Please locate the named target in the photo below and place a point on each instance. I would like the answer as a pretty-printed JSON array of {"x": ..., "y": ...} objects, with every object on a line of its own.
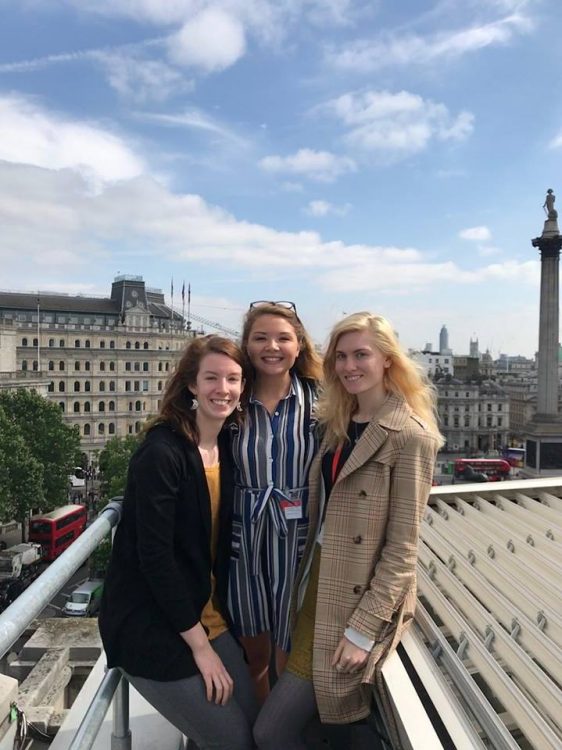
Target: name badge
[{"x": 292, "y": 508}]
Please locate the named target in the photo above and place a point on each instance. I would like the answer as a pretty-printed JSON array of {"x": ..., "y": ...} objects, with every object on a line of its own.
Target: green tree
[
  {"x": 113, "y": 464},
  {"x": 21, "y": 475},
  {"x": 48, "y": 450}
]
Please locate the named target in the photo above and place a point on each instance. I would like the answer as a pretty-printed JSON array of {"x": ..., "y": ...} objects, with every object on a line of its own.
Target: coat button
[
  {"x": 357, "y": 589},
  {"x": 357, "y": 539},
  {"x": 362, "y": 493}
]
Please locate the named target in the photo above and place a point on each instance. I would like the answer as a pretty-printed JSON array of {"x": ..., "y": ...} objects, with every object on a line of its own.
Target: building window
[
  {"x": 455, "y": 422},
  {"x": 102, "y": 366},
  {"x": 87, "y": 343},
  {"x": 467, "y": 421},
  {"x": 61, "y": 386},
  {"x": 101, "y": 428},
  {"x": 102, "y": 344},
  {"x": 137, "y": 405},
  {"x": 87, "y": 406},
  {"x": 500, "y": 421},
  {"x": 112, "y": 366},
  {"x": 111, "y": 428},
  {"x": 111, "y": 406},
  {"x": 145, "y": 386},
  {"x": 130, "y": 406},
  {"x": 77, "y": 343},
  {"x": 35, "y": 342},
  {"x": 137, "y": 426},
  {"x": 61, "y": 343},
  {"x": 51, "y": 387},
  {"x": 51, "y": 365},
  {"x": 102, "y": 386},
  {"x": 499, "y": 407},
  {"x": 137, "y": 366},
  {"x": 167, "y": 366},
  {"x": 112, "y": 344},
  {"x": 136, "y": 385},
  {"x": 112, "y": 385},
  {"x": 145, "y": 345},
  {"x": 130, "y": 429},
  {"x": 145, "y": 366},
  {"x": 24, "y": 365},
  {"x": 51, "y": 342},
  {"x": 489, "y": 421},
  {"x": 76, "y": 407},
  {"x": 61, "y": 404},
  {"x": 77, "y": 365},
  {"x": 61, "y": 365},
  {"x": 86, "y": 429},
  {"x": 35, "y": 365},
  {"x": 127, "y": 385},
  {"x": 24, "y": 342},
  {"x": 87, "y": 366},
  {"x": 101, "y": 406},
  {"x": 128, "y": 366},
  {"x": 159, "y": 366},
  {"x": 159, "y": 385},
  {"x": 87, "y": 386},
  {"x": 137, "y": 344},
  {"x": 489, "y": 407},
  {"x": 128, "y": 345},
  {"x": 76, "y": 386}
]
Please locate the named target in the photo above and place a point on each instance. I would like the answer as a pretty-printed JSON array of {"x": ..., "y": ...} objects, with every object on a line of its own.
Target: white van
[{"x": 84, "y": 600}]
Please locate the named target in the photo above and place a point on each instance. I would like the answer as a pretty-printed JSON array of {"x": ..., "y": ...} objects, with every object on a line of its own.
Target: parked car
[{"x": 84, "y": 601}]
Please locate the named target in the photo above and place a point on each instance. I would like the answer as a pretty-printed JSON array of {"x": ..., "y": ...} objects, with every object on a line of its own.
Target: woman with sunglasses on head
[
  {"x": 356, "y": 587},
  {"x": 164, "y": 618},
  {"x": 273, "y": 449}
]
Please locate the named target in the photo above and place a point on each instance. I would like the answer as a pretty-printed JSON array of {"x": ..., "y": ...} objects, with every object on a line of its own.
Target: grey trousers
[{"x": 185, "y": 705}]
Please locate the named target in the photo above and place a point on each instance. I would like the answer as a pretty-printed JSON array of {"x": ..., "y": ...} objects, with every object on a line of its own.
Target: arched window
[
  {"x": 76, "y": 386},
  {"x": 167, "y": 366},
  {"x": 35, "y": 342},
  {"x": 145, "y": 345},
  {"x": 87, "y": 366},
  {"x": 51, "y": 387},
  {"x": 87, "y": 385},
  {"x": 51, "y": 365},
  {"x": 61, "y": 386},
  {"x": 77, "y": 365},
  {"x": 102, "y": 366},
  {"x": 101, "y": 429},
  {"x": 128, "y": 345},
  {"x": 111, "y": 406},
  {"x": 87, "y": 406},
  {"x": 101, "y": 406},
  {"x": 61, "y": 342},
  {"x": 87, "y": 343},
  {"x": 112, "y": 344},
  {"x": 159, "y": 385},
  {"x": 61, "y": 404},
  {"x": 24, "y": 364},
  {"x": 137, "y": 426},
  {"x": 130, "y": 406},
  {"x": 112, "y": 366},
  {"x": 112, "y": 385},
  {"x": 111, "y": 428},
  {"x": 137, "y": 344},
  {"x": 102, "y": 344},
  {"x": 35, "y": 365},
  {"x": 102, "y": 385},
  {"x": 137, "y": 405},
  {"x": 51, "y": 342},
  {"x": 24, "y": 342},
  {"x": 77, "y": 343},
  {"x": 61, "y": 365},
  {"x": 86, "y": 429},
  {"x": 76, "y": 407}
]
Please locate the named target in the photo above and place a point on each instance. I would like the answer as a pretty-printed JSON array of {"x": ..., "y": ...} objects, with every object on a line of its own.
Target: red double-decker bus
[
  {"x": 57, "y": 530},
  {"x": 482, "y": 469}
]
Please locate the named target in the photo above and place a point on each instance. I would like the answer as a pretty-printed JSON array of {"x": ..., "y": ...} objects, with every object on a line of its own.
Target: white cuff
[{"x": 358, "y": 639}]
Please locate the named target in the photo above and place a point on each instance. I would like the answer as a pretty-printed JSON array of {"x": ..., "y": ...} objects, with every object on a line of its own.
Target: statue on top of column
[{"x": 548, "y": 205}]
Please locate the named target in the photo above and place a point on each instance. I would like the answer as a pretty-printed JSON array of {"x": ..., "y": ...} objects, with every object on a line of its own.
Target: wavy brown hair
[
  {"x": 336, "y": 406},
  {"x": 175, "y": 408},
  {"x": 308, "y": 364}
]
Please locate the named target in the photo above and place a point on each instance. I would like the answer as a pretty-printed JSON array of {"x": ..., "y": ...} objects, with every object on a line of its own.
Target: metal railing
[{"x": 31, "y": 602}]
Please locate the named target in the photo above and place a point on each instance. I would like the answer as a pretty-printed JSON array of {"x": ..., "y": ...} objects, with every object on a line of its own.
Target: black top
[
  {"x": 354, "y": 432},
  {"x": 159, "y": 577}
]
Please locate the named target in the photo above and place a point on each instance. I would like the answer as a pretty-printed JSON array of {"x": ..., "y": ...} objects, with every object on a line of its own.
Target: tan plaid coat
[{"x": 368, "y": 565}]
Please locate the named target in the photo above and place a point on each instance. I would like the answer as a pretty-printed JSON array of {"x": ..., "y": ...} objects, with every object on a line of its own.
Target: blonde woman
[{"x": 356, "y": 586}]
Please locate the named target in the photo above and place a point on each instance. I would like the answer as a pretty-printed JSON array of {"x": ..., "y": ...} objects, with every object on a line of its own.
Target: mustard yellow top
[{"x": 211, "y": 616}]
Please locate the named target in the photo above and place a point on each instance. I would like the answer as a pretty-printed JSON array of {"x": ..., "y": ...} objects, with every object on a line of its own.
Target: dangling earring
[
  {"x": 194, "y": 404},
  {"x": 239, "y": 407}
]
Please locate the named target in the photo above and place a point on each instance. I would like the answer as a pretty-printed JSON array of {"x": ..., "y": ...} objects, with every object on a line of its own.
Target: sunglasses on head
[{"x": 279, "y": 303}]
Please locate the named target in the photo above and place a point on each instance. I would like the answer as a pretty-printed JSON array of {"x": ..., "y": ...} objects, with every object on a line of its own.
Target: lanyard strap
[{"x": 335, "y": 462}]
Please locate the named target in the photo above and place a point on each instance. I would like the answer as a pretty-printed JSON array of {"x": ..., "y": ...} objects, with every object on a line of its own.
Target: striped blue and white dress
[{"x": 272, "y": 455}]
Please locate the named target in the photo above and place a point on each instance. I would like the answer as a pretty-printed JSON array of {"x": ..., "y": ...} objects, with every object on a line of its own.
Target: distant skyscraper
[
  {"x": 444, "y": 340},
  {"x": 474, "y": 348}
]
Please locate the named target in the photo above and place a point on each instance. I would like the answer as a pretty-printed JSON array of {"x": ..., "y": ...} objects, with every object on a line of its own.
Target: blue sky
[{"x": 390, "y": 155}]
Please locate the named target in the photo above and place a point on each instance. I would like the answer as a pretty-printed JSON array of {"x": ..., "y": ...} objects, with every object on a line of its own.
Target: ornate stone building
[{"x": 105, "y": 360}]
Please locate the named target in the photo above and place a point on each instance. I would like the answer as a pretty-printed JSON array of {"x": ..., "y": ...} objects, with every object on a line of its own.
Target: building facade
[
  {"x": 105, "y": 361},
  {"x": 434, "y": 364},
  {"x": 474, "y": 418}
]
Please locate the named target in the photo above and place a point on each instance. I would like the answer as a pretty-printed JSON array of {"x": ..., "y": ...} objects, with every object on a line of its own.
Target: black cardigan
[{"x": 159, "y": 576}]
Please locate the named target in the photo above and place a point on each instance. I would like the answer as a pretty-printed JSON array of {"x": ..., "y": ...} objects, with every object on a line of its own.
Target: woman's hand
[
  {"x": 349, "y": 658},
  {"x": 217, "y": 680}
]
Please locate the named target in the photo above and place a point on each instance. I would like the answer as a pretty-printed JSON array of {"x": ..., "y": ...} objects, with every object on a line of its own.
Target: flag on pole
[
  {"x": 172, "y": 288},
  {"x": 183, "y": 292},
  {"x": 188, "y": 293}
]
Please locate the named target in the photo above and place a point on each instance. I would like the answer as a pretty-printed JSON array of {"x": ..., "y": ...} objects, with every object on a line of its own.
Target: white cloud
[
  {"x": 319, "y": 208},
  {"x": 31, "y": 135},
  {"x": 476, "y": 234},
  {"x": 316, "y": 165},
  {"x": 212, "y": 41},
  {"x": 141, "y": 80},
  {"x": 194, "y": 119},
  {"x": 396, "y": 124},
  {"x": 401, "y": 49},
  {"x": 556, "y": 142}
]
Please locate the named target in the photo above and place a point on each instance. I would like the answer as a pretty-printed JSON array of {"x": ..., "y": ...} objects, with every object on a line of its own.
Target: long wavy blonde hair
[{"x": 404, "y": 377}]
